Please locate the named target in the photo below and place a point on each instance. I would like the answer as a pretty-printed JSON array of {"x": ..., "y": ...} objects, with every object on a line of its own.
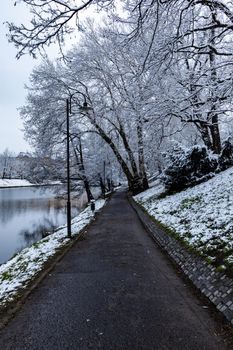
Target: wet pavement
[{"x": 113, "y": 290}]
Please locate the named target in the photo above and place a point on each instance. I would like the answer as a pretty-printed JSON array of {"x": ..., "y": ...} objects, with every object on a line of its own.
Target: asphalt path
[{"x": 113, "y": 290}]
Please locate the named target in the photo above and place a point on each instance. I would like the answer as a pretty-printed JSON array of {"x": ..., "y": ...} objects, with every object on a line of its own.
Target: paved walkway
[{"x": 113, "y": 290}]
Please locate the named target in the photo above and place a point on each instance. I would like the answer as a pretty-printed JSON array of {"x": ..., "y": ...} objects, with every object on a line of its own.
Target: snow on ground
[
  {"x": 25, "y": 183},
  {"x": 202, "y": 216},
  {"x": 14, "y": 183},
  {"x": 19, "y": 271}
]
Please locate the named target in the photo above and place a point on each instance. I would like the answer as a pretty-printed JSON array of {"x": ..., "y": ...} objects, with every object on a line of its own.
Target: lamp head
[{"x": 85, "y": 107}]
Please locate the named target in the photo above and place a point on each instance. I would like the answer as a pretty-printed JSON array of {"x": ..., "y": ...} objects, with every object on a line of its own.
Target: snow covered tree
[
  {"x": 50, "y": 21},
  {"x": 104, "y": 74},
  {"x": 154, "y": 70},
  {"x": 7, "y": 164},
  {"x": 195, "y": 73}
]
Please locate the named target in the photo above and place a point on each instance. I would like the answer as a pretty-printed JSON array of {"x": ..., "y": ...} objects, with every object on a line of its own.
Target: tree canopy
[{"x": 152, "y": 72}]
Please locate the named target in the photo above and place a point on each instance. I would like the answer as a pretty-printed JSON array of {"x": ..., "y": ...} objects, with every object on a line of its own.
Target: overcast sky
[{"x": 13, "y": 75}]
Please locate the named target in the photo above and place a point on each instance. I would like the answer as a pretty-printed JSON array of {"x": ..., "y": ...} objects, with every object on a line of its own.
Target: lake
[{"x": 27, "y": 213}]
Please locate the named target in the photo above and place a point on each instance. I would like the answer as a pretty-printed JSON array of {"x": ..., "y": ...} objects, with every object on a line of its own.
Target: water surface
[{"x": 27, "y": 213}]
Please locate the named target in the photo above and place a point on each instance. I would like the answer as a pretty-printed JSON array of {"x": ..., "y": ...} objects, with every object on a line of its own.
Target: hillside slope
[{"x": 201, "y": 216}]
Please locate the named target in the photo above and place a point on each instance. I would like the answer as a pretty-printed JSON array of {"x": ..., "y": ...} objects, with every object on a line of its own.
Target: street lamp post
[
  {"x": 104, "y": 178},
  {"x": 84, "y": 109},
  {"x": 68, "y": 169}
]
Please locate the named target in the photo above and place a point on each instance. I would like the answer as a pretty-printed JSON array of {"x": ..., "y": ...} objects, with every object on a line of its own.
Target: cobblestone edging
[{"x": 215, "y": 285}]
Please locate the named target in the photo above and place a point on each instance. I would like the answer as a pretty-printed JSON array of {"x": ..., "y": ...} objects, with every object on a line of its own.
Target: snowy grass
[
  {"x": 18, "y": 272},
  {"x": 202, "y": 216}
]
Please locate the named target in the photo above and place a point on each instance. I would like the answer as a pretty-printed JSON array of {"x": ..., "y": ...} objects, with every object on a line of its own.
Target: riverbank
[
  {"x": 14, "y": 183},
  {"x": 17, "y": 274}
]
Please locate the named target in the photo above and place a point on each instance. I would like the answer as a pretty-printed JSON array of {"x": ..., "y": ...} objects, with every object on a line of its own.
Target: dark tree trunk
[
  {"x": 205, "y": 134},
  {"x": 109, "y": 183},
  {"x": 4, "y": 173},
  {"x": 102, "y": 185},
  {"x": 137, "y": 185},
  {"x": 128, "y": 150},
  {"x": 141, "y": 159},
  {"x": 136, "y": 182},
  {"x": 88, "y": 190},
  {"x": 215, "y": 134},
  {"x": 214, "y": 127},
  {"x": 80, "y": 162},
  {"x": 82, "y": 168}
]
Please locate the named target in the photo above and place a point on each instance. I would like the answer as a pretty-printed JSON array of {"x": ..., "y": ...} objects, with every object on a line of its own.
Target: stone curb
[{"x": 216, "y": 286}]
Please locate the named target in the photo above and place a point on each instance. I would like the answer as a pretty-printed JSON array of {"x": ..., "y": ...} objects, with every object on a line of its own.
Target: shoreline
[{"x": 29, "y": 185}]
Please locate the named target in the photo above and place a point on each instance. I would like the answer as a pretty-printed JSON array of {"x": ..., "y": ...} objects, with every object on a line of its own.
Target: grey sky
[{"x": 13, "y": 75}]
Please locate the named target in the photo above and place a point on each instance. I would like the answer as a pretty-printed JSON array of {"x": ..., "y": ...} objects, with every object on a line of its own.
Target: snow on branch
[{"x": 51, "y": 20}]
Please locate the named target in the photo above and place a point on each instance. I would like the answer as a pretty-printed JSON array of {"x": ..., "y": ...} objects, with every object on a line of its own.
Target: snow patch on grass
[
  {"x": 202, "y": 216},
  {"x": 20, "y": 270}
]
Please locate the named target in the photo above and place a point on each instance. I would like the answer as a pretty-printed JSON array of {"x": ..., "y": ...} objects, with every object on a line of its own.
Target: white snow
[
  {"x": 18, "y": 272},
  {"x": 14, "y": 183},
  {"x": 202, "y": 215},
  {"x": 25, "y": 183}
]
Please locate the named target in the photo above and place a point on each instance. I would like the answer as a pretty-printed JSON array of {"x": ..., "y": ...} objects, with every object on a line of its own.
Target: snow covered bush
[
  {"x": 189, "y": 167},
  {"x": 226, "y": 156}
]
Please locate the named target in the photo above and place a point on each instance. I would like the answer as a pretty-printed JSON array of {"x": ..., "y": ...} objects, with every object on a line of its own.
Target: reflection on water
[{"x": 27, "y": 214}]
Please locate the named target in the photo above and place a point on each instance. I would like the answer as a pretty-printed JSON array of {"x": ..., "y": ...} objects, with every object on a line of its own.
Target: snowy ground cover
[
  {"x": 20, "y": 270},
  {"x": 14, "y": 183},
  {"x": 25, "y": 183},
  {"x": 201, "y": 216}
]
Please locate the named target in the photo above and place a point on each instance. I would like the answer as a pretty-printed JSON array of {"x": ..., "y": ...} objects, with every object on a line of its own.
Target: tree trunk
[
  {"x": 4, "y": 173},
  {"x": 88, "y": 190},
  {"x": 85, "y": 179},
  {"x": 141, "y": 159},
  {"x": 119, "y": 158},
  {"x": 205, "y": 134},
  {"x": 128, "y": 150},
  {"x": 136, "y": 183},
  {"x": 80, "y": 163},
  {"x": 215, "y": 134},
  {"x": 102, "y": 186},
  {"x": 214, "y": 128}
]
